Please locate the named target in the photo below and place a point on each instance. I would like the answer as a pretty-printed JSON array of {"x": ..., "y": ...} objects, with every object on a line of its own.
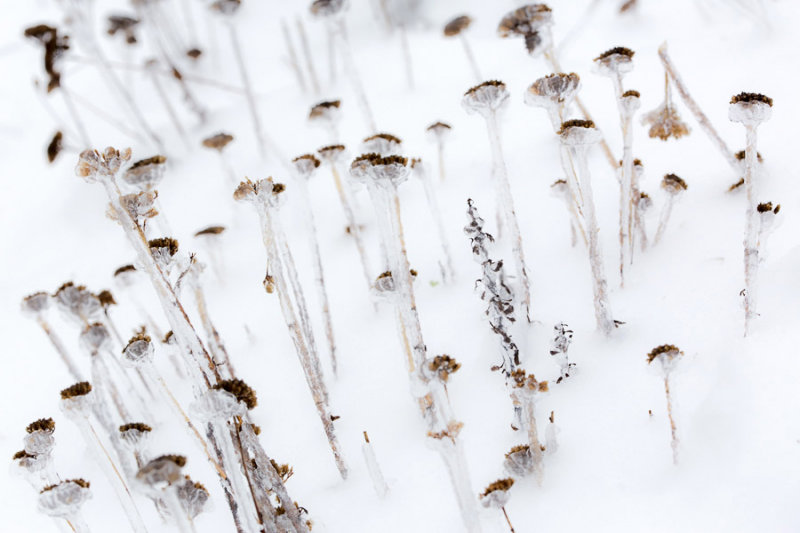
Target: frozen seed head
[
  {"x": 194, "y": 53},
  {"x": 525, "y": 21},
  {"x": 240, "y": 390},
  {"x": 750, "y": 109},
  {"x": 162, "y": 471},
  {"x": 135, "y": 434},
  {"x": 39, "y": 439},
  {"x": 630, "y": 102},
  {"x": 266, "y": 191},
  {"x": 123, "y": 25},
  {"x": 76, "y": 302},
  {"x": 218, "y": 141},
  {"x": 767, "y": 207},
  {"x": 578, "y": 132},
  {"x": 139, "y": 350},
  {"x": 553, "y": 89},
  {"x": 36, "y": 303},
  {"x": 106, "y": 298},
  {"x": 485, "y": 98},
  {"x": 332, "y": 154},
  {"x": 327, "y": 8},
  {"x": 64, "y": 499},
  {"x": 125, "y": 276},
  {"x": 527, "y": 383},
  {"x": 519, "y": 460},
  {"x": 665, "y": 123},
  {"x": 382, "y": 143},
  {"x": 391, "y": 169},
  {"x": 93, "y": 164},
  {"x": 210, "y": 231},
  {"x": 497, "y": 493},
  {"x": 443, "y": 366},
  {"x": 77, "y": 390},
  {"x": 742, "y": 154},
  {"x": 145, "y": 174},
  {"x": 328, "y": 111},
  {"x": 457, "y": 25},
  {"x": 54, "y": 47},
  {"x": 95, "y": 338},
  {"x": 673, "y": 184},
  {"x": 41, "y": 425},
  {"x": 226, "y": 7},
  {"x": 55, "y": 146},
  {"x": 666, "y": 354},
  {"x": 163, "y": 245},
  {"x": 193, "y": 497},
  {"x": 305, "y": 165},
  {"x": 615, "y": 62},
  {"x": 439, "y": 131},
  {"x": 644, "y": 202},
  {"x": 284, "y": 470}
]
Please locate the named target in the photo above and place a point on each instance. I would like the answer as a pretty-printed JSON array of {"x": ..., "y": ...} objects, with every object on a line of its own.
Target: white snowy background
[{"x": 736, "y": 398}]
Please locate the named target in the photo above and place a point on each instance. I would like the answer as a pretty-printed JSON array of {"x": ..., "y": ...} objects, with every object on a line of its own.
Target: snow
[{"x": 736, "y": 398}]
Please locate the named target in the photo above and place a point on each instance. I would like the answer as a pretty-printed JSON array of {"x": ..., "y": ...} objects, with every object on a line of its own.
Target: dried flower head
[
  {"x": 54, "y": 47},
  {"x": 77, "y": 302},
  {"x": 383, "y": 144},
  {"x": 55, "y": 146},
  {"x": 218, "y": 141},
  {"x": 305, "y": 165},
  {"x": 36, "y": 303},
  {"x": 497, "y": 493},
  {"x": 135, "y": 434},
  {"x": 391, "y": 169},
  {"x": 439, "y": 131},
  {"x": 527, "y": 383},
  {"x": 767, "y": 207},
  {"x": 43, "y": 424},
  {"x": 673, "y": 184},
  {"x": 557, "y": 88},
  {"x": 92, "y": 163},
  {"x": 457, "y": 25},
  {"x": 666, "y": 354},
  {"x": 193, "y": 497},
  {"x": 328, "y": 111},
  {"x": 525, "y": 21},
  {"x": 615, "y": 62},
  {"x": 163, "y": 470},
  {"x": 751, "y": 109},
  {"x": 226, "y": 7},
  {"x": 125, "y": 276},
  {"x": 77, "y": 390},
  {"x": 95, "y": 338},
  {"x": 145, "y": 174},
  {"x": 265, "y": 190},
  {"x": 578, "y": 132},
  {"x": 106, "y": 298},
  {"x": 240, "y": 390},
  {"x": 164, "y": 245},
  {"x": 485, "y": 98},
  {"x": 139, "y": 350},
  {"x": 139, "y": 206},
  {"x": 443, "y": 366},
  {"x": 665, "y": 123},
  {"x": 327, "y": 8},
  {"x": 210, "y": 231},
  {"x": 284, "y": 470},
  {"x": 123, "y": 24},
  {"x": 519, "y": 460},
  {"x": 332, "y": 154},
  {"x": 64, "y": 499}
]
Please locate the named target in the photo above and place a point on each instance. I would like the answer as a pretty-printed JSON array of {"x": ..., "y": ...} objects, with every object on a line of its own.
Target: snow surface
[{"x": 736, "y": 398}]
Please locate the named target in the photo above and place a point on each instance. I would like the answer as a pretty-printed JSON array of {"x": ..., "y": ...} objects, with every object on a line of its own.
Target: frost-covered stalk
[
  {"x": 534, "y": 24},
  {"x": 333, "y": 155},
  {"x": 554, "y": 93},
  {"x": 64, "y": 500},
  {"x": 551, "y": 435},
  {"x": 266, "y": 198},
  {"x": 160, "y": 479},
  {"x": 701, "y": 117},
  {"x": 487, "y": 99},
  {"x": 35, "y": 306},
  {"x": 312, "y": 71},
  {"x": 614, "y": 64},
  {"x": 374, "y": 469},
  {"x": 577, "y": 136},
  {"x": 77, "y": 403},
  {"x": 559, "y": 348},
  {"x": 96, "y": 340},
  {"x": 304, "y": 167},
  {"x": 382, "y": 175},
  {"x": 496, "y": 495},
  {"x": 448, "y": 271},
  {"x": 298, "y": 72},
  {"x": 162, "y": 95},
  {"x": 750, "y": 109},
  {"x": 438, "y": 132},
  {"x": 457, "y": 28},
  {"x": 332, "y": 14},
  {"x": 526, "y": 388},
  {"x": 561, "y": 189},
  {"x": 667, "y": 355},
  {"x": 674, "y": 186}
]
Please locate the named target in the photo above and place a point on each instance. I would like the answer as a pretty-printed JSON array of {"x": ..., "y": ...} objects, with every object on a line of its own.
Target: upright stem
[
  {"x": 673, "y": 428},
  {"x": 234, "y": 465},
  {"x": 470, "y": 58},
  {"x": 374, "y": 469},
  {"x": 535, "y": 446},
  {"x": 407, "y": 56},
  {"x": 168, "y": 106},
  {"x": 436, "y": 214},
  {"x": 248, "y": 89},
  {"x": 626, "y": 191},
  {"x": 352, "y": 73},
  {"x": 312, "y": 72},
  {"x": 507, "y": 520},
  {"x": 663, "y": 220},
  {"x": 506, "y": 199},
  {"x": 352, "y": 224},
  {"x": 76, "y": 118},
  {"x": 298, "y": 73},
  {"x": 701, "y": 118},
  {"x": 440, "y": 151},
  {"x": 751, "y": 231},
  {"x": 55, "y": 340}
]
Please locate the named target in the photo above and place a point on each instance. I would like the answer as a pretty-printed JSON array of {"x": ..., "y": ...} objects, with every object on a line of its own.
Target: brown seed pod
[
  {"x": 43, "y": 424},
  {"x": 457, "y": 25},
  {"x": 79, "y": 389},
  {"x": 218, "y": 141},
  {"x": 240, "y": 389}
]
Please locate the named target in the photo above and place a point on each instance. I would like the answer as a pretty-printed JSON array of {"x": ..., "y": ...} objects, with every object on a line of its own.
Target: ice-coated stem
[
  {"x": 298, "y": 73},
  {"x": 581, "y": 184},
  {"x": 76, "y": 118},
  {"x": 506, "y": 201},
  {"x": 55, "y": 340},
  {"x": 407, "y": 56},
  {"x": 217, "y": 347},
  {"x": 234, "y": 465},
  {"x": 351, "y": 70},
  {"x": 701, "y": 117},
  {"x": 352, "y": 223},
  {"x": 248, "y": 89},
  {"x": 626, "y": 191},
  {"x": 751, "y": 249},
  {"x": 535, "y": 446},
  {"x": 470, "y": 57},
  {"x": 322, "y": 291},
  {"x": 673, "y": 428},
  {"x": 663, "y": 219},
  {"x": 436, "y": 214},
  {"x": 312, "y": 71},
  {"x": 374, "y": 469},
  {"x": 162, "y": 95}
]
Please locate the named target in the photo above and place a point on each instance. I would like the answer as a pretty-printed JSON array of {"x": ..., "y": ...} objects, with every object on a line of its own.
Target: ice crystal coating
[
  {"x": 673, "y": 184},
  {"x": 193, "y": 497},
  {"x": 525, "y": 21},
  {"x": 442, "y": 366},
  {"x": 135, "y": 434},
  {"x": 146, "y": 174},
  {"x": 36, "y": 303},
  {"x": 665, "y": 122},
  {"x": 383, "y": 144},
  {"x": 95, "y": 338},
  {"x": 519, "y": 461},
  {"x": 39, "y": 439},
  {"x": 750, "y": 109},
  {"x": 162, "y": 471},
  {"x": 392, "y": 169},
  {"x": 92, "y": 163},
  {"x": 485, "y": 98},
  {"x": 666, "y": 354},
  {"x": 217, "y": 405},
  {"x": 579, "y": 133},
  {"x": 77, "y": 303},
  {"x": 240, "y": 390},
  {"x": 138, "y": 351},
  {"x": 439, "y": 131},
  {"x": 64, "y": 499},
  {"x": 497, "y": 494},
  {"x": 553, "y": 89},
  {"x": 615, "y": 62},
  {"x": 305, "y": 165},
  {"x": 265, "y": 191},
  {"x": 326, "y": 112}
]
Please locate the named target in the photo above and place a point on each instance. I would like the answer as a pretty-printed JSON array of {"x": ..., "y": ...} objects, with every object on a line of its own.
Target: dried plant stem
[
  {"x": 701, "y": 117},
  {"x": 663, "y": 220},
  {"x": 310, "y": 367},
  {"x": 76, "y": 523},
  {"x": 55, "y": 340},
  {"x": 673, "y": 428},
  {"x": 107, "y": 118},
  {"x": 66, "y": 95},
  {"x": 234, "y": 465},
  {"x": 101, "y": 377},
  {"x": 448, "y": 271},
  {"x": 576, "y": 168},
  {"x": 179, "y": 516},
  {"x": 507, "y": 520},
  {"x": 347, "y": 207},
  {"x": 312, "y": 71},
  {"x": 215, "y": 344},
  {"x": 374, "y": 469},
  {"x": 168, "y": 107},
  {"x": 322, "y": 291},
  {"x": 407, "y": 56},
  {"x": 248, "y": 89},
  {"x": 751, "y": 248},
  {"x": 298, "y": 72},
  {"x": 343, "y": 45},
  {"x": 535, "y": 446},
  {"x": 470, "y": 58},
  {"x": 626, "y": 190},
  {"x": 506, "y": 201}
]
